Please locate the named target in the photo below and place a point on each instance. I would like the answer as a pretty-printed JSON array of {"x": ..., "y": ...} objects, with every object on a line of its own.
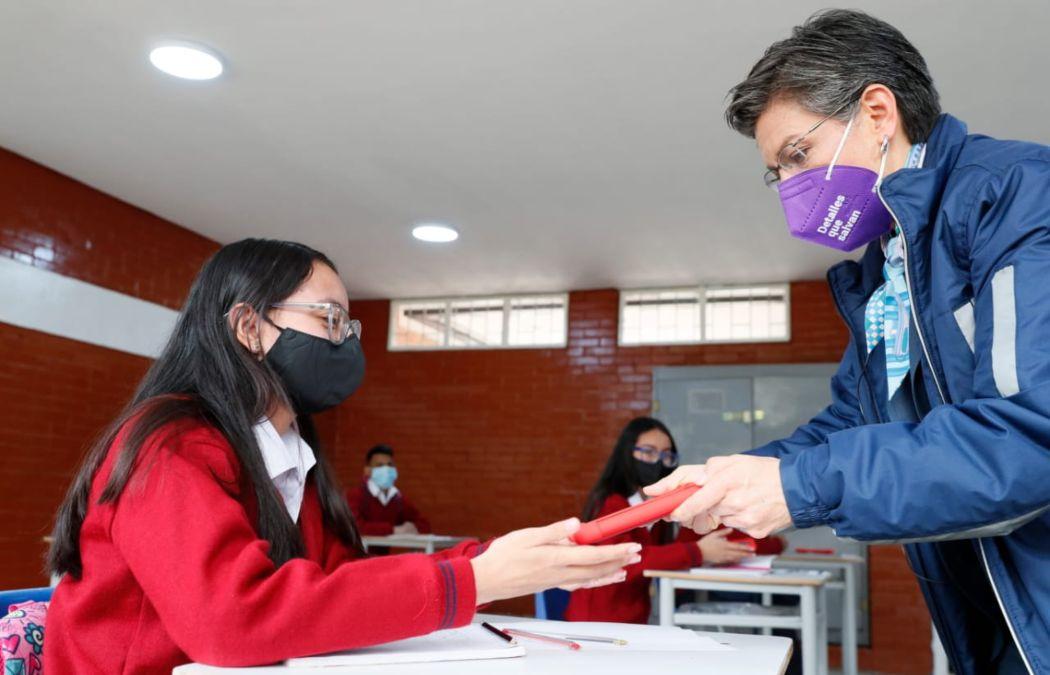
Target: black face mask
[
  {"x": 649, "y": 473},
  {"x": 316, "y": 373}
]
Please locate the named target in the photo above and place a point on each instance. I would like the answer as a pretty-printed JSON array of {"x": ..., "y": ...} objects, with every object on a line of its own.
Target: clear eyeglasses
[
  {"x": 340, "y": 325},
  {"x": 668, "y": 458},
  {"x": 791, "y": 157}
]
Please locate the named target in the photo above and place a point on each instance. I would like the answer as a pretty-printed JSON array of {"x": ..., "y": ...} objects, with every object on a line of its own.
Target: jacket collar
[{"x": 914, "y": 195}]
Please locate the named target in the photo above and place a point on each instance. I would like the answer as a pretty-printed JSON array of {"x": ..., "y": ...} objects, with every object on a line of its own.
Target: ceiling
[{"x": 574, "y": 144}]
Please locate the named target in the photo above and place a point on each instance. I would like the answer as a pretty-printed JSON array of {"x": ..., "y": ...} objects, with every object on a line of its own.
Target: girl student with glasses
[
  {"x": 644, "y": 453},
  {"x": 206, "y": 524}
]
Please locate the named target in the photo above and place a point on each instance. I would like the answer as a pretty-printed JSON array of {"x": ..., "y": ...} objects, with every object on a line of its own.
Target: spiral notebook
[{"x": 469, "y": 643}]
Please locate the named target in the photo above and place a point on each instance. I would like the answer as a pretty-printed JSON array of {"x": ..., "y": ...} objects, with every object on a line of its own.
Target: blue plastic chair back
[
  {"x": 8, "y": 598},
  {"x": 551, "y": 604}
]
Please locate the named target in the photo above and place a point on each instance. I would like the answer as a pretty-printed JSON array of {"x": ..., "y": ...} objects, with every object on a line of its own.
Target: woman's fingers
[
  {"x": 551, "y": 534},
  {"x": 596, "y": 555},
  {"x": 704, "y": 524},
  {"x": 701, "y": 502},
  {"x": 582, "y": 575},
  {"x": 694, "y": 473},
  {"x": 615, "y": 578}
]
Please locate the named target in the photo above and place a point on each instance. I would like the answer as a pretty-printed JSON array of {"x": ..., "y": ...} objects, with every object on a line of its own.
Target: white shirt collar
[
  {"x": 288, "y": 460},
  {"x": 377, "y": 492}
]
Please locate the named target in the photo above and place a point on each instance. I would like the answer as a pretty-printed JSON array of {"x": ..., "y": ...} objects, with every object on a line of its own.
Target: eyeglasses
[
  {"x": 340, "y": 325},
  {"x": 791, "y": 157},
  {"x": 668, "y": 458}
]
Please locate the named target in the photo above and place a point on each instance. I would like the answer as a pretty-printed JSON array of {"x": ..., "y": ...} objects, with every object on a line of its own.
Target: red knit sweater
[
  {"x": 628, "y": 601},
  {"x": 375, "y": 518},
  {"x": 174, "y": 572}
]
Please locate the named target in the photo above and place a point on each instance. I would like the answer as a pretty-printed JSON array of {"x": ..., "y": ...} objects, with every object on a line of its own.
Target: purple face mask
[{"x": 834, "y": 206}]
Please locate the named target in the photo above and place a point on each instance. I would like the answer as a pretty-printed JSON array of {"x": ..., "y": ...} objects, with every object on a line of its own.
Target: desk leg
[
  {"x": 666, "y": 602},
  {"x": 767, "y": 601},
  {"x": 849, "y": 622},
  {"x": 810, "y": 658},
  {"x": 822, "y": 634}
]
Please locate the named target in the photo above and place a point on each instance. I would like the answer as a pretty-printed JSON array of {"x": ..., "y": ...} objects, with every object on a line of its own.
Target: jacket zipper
[
  {"x": 1002, "y": 608},
  {"x": 853, "y": 338},
  {"x": 940, "y": 392}
]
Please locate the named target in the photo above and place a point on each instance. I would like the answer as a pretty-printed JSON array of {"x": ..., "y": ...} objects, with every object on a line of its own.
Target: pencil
[
  {"x": 588, "y": 638},
  {"x": 543, "y": 638},
  {"x": 497, "y": 632}
]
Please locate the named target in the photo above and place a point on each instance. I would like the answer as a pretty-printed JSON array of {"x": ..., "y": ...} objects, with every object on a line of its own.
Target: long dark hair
[
  {"x": 619, "y": 477},
  {"x": 205, "y": 374}
]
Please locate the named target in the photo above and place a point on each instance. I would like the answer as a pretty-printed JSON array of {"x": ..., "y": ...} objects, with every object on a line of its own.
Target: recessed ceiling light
[
  {"x": 188, "y": 61},
  {"x": 435, "y": 233}
]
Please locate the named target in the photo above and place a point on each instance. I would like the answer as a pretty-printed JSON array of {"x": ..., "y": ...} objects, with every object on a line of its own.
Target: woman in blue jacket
[{"x": 938, "y": 434}]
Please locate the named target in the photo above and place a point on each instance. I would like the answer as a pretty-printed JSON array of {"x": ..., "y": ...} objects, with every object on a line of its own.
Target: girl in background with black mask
[
  {"x": 205, "y": 525},
  {"x": 644, "y": 453}
]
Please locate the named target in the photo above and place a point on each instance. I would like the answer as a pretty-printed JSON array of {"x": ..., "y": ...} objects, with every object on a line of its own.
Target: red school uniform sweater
[
  {"x": 628, "y": 601},
  {"x": 376, "y": 519},
  {"x": 174, "y": 572}
]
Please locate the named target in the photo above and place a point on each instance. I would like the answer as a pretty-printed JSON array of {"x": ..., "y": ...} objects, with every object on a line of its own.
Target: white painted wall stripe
[{"x": 51, "y": 303}]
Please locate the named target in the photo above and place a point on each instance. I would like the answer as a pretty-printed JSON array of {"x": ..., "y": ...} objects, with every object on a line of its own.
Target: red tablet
[{"x": 638, "y": 515}]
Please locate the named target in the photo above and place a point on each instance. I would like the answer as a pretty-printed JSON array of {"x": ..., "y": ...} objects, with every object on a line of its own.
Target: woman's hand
[
  {"x": 741, "y": 491},
  {"x": 718, "y": 550},
  {"x": 407, "y": 527},
  {"x": 538, "y": 558}
]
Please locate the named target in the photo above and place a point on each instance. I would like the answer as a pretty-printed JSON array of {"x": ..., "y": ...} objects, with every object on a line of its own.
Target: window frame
[
  {"x": 448, "y": 301},
  {"x": 702, "y": 302}
]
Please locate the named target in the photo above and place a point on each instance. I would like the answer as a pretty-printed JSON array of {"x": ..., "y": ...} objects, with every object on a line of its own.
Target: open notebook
[{"x": 469, "y": 643}]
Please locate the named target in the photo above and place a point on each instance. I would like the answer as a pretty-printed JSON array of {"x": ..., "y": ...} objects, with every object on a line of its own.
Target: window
[
  {"x": 705, "y": 314},
  {"x": 479, "y": 323}
]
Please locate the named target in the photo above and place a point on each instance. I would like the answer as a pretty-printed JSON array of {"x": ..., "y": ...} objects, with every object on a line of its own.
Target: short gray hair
[{"x": 826, "y": 64}]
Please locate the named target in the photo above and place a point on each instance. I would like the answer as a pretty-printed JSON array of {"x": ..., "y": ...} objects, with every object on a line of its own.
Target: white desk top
[
  {"x": 752, "y": 655},
  {"x": 728, "y": 576},
  {"x": 843, "y": 559}
]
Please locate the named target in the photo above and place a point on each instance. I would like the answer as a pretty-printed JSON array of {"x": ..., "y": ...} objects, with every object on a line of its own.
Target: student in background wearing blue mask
[
  {"x": 938, "y": 434},
  {"x": 379, "y": 507}
]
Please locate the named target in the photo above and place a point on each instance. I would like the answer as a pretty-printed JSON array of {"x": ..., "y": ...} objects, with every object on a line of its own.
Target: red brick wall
[
  {"x": 524, "y": 433},
  {"x": 521, "y": 432},
  {"x": 56, "y": 394}
]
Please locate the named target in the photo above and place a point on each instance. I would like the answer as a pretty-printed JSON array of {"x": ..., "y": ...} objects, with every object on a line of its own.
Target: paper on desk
[
  {"x": 756, "y": 565},
  {"x": 755, "y": 562},
  {"x": 469, "y": 643},
  {"x": 640, "y": 638}
]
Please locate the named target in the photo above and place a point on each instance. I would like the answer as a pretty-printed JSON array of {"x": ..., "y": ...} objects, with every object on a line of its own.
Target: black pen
[{"x": 496, "y": 631}]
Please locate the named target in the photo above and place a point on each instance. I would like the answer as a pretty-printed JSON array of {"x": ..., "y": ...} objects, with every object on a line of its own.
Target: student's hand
[
  {"x": 535, "y": 559},
  {"x": 741, "y": 491},
  {"x": 718, "y": 550},
  {"x": 406, "y": 528}
]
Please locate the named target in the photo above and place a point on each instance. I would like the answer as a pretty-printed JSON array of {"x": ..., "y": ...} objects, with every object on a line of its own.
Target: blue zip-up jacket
[{"x": 968, "y": 484}]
